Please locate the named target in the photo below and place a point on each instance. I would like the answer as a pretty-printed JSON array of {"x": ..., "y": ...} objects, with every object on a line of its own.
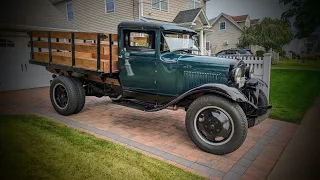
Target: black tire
[
  {"x": 237, "y": 118},
  {"x": 262, "y": 101},
  {"x": 71, "y": 90},
  {"x": 81, "y": 94}
]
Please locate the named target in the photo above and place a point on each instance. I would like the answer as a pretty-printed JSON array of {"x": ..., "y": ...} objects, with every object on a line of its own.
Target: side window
[
  {"x": 222, "y": 26},
  {"x": 69, "y": 11},
  {"x": 109, "y": 6},
  {"x": 161, "y": 5},
  {"x": 139, "y": 41},
  {"x": 6, "y": 43}
]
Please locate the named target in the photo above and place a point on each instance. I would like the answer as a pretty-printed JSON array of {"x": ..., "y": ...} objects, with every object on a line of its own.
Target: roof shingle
[
  {"x": 186, "y": 16},
  {"x": 240, "y": 18},
  {"x": 254, "y": 21}
]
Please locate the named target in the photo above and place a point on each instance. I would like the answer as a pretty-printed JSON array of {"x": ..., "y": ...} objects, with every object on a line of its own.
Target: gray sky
[{"x": 255, "y": 8}]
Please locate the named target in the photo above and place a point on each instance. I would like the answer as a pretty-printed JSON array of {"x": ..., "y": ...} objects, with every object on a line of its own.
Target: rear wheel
[
  {"x": 63, "y": 95},
  {"x": 81, "y": 95},
  {"x": 216, "y": 125}
]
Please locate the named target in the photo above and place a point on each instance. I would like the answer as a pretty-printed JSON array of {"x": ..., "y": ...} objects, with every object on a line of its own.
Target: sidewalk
[{"x": 301, "y": 157}]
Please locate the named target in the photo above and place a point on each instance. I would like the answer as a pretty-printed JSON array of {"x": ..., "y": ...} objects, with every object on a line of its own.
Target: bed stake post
[
  {"x": 31, "y": 46},
  {"x": 50, "y": 50},
  {"x": 98, "y": 52},
  {"x": 110, "y": 49},
  {"x": 73, "y": 50}
]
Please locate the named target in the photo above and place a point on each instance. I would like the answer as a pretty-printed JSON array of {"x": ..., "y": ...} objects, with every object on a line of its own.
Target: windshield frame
[{"x": 192, "y": 36}]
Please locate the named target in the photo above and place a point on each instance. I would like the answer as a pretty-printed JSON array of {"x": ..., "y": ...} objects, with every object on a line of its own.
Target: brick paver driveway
[{"x": 162, "y": 135}]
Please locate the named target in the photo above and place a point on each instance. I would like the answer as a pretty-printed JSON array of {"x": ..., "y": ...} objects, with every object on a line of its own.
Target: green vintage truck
[{"x": 151, "y": 67}]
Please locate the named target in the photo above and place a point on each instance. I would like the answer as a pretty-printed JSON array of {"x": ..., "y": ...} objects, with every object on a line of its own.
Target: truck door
[{"x": 137, "y": 60}]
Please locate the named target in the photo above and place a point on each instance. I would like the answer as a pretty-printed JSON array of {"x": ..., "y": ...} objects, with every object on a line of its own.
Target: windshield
[{"x": 177, "y": 41}]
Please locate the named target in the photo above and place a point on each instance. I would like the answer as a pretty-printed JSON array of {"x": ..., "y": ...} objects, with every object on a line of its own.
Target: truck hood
[{"x": 206, "y": 60}]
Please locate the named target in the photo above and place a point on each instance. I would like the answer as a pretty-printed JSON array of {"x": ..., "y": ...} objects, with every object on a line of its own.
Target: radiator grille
[{"x": 194, "y": 79}]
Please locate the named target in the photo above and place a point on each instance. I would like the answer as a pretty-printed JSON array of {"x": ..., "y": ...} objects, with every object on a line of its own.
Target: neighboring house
[
  {"x": 17, "y": 18},
  {"x": 105, "y": 15},
  {"x": 309, "y": 45},
  {"x": 226, "y": 30}
]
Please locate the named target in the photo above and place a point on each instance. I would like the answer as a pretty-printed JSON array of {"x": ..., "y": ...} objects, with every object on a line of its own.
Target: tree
[
  {"x": 306, "y": 16},
  {"x": 269, "y": 34}
]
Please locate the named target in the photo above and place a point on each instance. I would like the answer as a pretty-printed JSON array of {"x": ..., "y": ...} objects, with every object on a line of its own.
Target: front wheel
[{"x": 216, "y": 125}]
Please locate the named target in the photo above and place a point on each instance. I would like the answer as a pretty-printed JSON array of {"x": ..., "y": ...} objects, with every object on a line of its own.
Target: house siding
[
  {"x": 90, "y": 16},
  {"x": 35, "y": 13},
  {"x": 218, "y": 38},
  {"x": 174, "y": 7}
]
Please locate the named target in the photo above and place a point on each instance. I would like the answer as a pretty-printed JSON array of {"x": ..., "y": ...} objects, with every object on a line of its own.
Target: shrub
[{"x": 260, "y": 53}]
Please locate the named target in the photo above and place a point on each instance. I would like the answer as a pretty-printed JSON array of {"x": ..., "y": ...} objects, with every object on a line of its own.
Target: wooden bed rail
[{"x": 84, "y": 50}]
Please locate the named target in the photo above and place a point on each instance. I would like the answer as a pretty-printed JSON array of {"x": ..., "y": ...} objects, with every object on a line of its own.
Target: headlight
[
  {"x": 237, "y": 75},
  {"x": 249, "y": 71}
]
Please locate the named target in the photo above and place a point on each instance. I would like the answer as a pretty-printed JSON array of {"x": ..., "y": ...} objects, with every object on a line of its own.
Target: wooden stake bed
[{"x": 77, "y": 50}]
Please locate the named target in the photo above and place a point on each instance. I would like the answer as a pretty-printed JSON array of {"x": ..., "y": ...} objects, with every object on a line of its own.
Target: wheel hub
[
  {"x": 214, "y": 125},
  {"x": 60, "y": 96}
]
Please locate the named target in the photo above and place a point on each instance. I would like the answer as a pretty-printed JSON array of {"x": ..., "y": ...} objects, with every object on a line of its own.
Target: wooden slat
[
  {"x": 65, "y": 35},
  {"x": 106, "y": 50},
  {"x": 139, "y": 40},
  {"x": 85, "y": 63},
  {"x": 85, "y": 35},
  {"x": 54, "y": 45},
  {"x": 80, "y": 47},
  {"x": 78, "y": 54},
  {"x": 105, "y": 57},
  {"x": 40, "y": 33},
  {"x": 77, "y": 35},
  {"x": 114, "y": 37}
]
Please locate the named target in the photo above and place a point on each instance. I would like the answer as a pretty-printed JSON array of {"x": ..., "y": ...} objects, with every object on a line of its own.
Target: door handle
[
  {"x": 21, "y": 67},
  {"x": 25, "y": 65}
]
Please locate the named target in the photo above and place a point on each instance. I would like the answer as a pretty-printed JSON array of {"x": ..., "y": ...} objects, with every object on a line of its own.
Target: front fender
[{"x": 230, "y": 93}]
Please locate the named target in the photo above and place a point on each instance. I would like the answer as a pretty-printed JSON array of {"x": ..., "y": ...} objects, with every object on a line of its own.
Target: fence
[{"x": 262, "y": 68}]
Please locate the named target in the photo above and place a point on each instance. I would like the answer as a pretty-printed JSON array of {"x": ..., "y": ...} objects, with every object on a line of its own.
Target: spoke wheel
[
  {"x": 60, "y": 94},
  {"x": 214, "y": 125}
]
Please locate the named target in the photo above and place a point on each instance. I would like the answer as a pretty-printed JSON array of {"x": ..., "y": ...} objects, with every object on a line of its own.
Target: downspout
[{"x": 140, "y": 9}]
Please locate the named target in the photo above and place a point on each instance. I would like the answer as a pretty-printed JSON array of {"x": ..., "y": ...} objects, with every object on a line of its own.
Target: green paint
[{"x": 168, "y": 73}]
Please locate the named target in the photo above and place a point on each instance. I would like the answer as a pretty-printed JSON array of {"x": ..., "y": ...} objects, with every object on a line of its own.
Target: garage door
[{"x": 15, "y": 71}]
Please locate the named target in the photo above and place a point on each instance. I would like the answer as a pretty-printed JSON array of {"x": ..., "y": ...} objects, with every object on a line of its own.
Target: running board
[{"x": 143, "y": 106}]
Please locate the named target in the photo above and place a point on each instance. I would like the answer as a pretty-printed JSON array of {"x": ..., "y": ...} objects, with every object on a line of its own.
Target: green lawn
[
  {"x": 36, "y": 148},
  {"x": 286, "y": 63},
  {"x": 292, "y": 93}
]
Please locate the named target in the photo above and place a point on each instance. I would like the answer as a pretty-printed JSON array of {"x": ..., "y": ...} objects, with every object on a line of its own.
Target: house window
[
  {"x": 222, "y": 26},
  {"x": 193, "y": 4},
  {"x": 161, "y": 5},
  {"x": 69, "y": 11},
  {"x": 110, "y": 6},
  {"x": 208, "y": 45},
  {"x": 6, "y": 43}
]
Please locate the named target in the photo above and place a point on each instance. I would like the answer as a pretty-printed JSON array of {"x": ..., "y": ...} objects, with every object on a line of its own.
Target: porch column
[{"x": 201, "y": 42}]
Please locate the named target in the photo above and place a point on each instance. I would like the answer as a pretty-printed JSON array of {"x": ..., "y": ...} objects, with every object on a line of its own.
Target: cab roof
[{"x": 153, "y": 25}]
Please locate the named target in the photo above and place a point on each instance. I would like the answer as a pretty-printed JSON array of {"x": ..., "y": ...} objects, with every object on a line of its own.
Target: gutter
[{"x": 30, "y": 28}]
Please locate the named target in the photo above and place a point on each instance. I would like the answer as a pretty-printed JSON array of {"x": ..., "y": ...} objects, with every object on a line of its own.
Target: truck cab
[{"x": 159, "y": 67}]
